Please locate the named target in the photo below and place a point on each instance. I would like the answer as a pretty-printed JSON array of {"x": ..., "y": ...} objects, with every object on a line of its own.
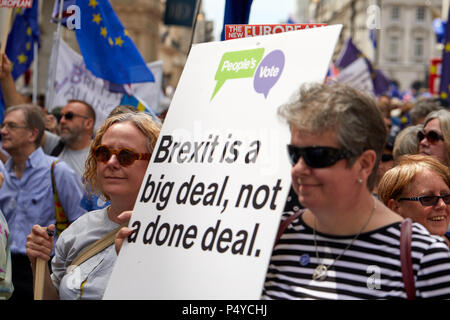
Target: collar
[{"x": 34, "y": 160}]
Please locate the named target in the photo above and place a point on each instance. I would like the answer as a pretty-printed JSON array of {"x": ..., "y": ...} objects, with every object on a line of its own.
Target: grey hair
[
  {"x": 444, "y": 121},
  {"x": 351, "y": 113},
  {"x": 34, "y": 118},
  {"x": 406, "y": 141}
]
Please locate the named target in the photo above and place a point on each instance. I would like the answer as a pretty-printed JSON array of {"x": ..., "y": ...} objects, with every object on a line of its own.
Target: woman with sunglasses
[
  {"x": 117, "y": 162},
  {"x": 418, "y": 187},
  {"x": 434, "y": 139},
  {"x": 345, "y": 244}
]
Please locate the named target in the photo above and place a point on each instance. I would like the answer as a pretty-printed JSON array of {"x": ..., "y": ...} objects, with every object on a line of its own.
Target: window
[
  {"x": 420, "y": 14},
  {"x": 394, "y": 46},
  {"x": 395, "y": 13},
  {"x": 419, "y": 47}
]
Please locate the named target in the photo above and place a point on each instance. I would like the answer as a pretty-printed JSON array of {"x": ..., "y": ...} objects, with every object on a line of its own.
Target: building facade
[{"x": 402, "y": 29}]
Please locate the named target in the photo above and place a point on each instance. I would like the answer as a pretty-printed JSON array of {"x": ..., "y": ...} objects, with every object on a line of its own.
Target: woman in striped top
[{"x": 346, "y": 244}]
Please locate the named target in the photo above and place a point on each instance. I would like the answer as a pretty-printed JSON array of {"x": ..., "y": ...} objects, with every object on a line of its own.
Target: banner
[
  {"x": 74, "y": 81},
  {"x": 357, "y": 75},
  {"x": 209, "y": 207},
  {"x": 235, "y": 31},
  {"x": 16, "y": 3}
]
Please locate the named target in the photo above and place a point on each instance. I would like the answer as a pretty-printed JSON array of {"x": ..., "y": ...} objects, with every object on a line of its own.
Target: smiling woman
[
  {"x": 116, "y": 165},
  {"x": 418, "y": 187}
]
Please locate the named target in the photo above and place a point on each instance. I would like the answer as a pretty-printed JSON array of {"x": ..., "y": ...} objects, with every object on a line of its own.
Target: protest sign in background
[
  {"x": 74, "y": 81},
  {"x": 210, "y": 204}
]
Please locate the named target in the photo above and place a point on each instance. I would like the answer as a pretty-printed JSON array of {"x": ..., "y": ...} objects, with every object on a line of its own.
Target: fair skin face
[
  {"x": 76, "y": 132},
  {"x": 435, "y": 218},
  {"x": 437, "y": 149},
  {"x": 121, "y": 183},
  {"x": 18, "y": 142},
  {"x": 333, "y": 195}
]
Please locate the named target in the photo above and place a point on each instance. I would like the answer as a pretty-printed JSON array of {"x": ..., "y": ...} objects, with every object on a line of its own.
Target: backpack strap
[
  {"x": 406, "y": 259},
  {"x": 61, "y": 219},
  {"x": 285, "y": 223},
  {"x": 58, "y": 149}
]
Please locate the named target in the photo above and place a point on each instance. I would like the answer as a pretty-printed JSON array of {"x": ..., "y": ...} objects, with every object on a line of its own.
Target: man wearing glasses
[
  {"x": 26, "y": 197},
  {"x": 76, "y": 129}
]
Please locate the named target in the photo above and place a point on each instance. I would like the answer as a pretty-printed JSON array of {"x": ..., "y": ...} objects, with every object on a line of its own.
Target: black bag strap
[
  {"x": 58, "y": 149},
  {"x": 406, "y": 259},
  {"x": 285, "y": 223}
]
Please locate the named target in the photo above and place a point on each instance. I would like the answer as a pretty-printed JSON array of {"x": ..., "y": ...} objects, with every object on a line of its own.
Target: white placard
[{"x": 211, "y": 201}]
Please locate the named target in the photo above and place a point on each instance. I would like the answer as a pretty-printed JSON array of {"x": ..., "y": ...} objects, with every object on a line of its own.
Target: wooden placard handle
[
  {"x": 6, "y": 26},
  {"x": 39, "y": 279}
]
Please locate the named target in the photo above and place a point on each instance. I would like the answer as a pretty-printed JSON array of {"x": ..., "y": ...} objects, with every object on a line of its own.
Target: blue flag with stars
[
  {"x": 22, "y": 37},
  {"x": 444, "y": 87},
  {"x": 107, "y": 49}
]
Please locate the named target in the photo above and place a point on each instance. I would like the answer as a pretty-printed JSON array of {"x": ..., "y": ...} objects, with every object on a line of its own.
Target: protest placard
[
  {"x": 210, "y": 203},
  {"x": 357, "y": 75}
]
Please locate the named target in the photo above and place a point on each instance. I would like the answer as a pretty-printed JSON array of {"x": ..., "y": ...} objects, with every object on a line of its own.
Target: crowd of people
[{"x": 368, "y": 174}]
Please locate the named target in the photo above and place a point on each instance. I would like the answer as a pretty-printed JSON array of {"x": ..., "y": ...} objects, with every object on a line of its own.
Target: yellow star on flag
[
  {"x": 111, "y": 42},
  {"x": 125, "y": 32},
  {"x": 29, "y": 31},
  {"x": 119, "y": 41},
  {"x": 28, "y": 46},
  {"x": 22, "y": 58},
  {"x": 93, "y": 3},
  {"x": 444, "y": 95},
  {"x": 447, "y": 47},
  {"x": 96, "y": 18},
  {"x": 103, "y": 31}
]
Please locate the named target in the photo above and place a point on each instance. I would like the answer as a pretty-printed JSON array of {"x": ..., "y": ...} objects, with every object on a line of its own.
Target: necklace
[{"x": 320, "y": 273}]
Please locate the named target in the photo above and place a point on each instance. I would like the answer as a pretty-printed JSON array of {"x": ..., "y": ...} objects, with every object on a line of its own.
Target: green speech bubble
[{"x": 236, "y": 65}]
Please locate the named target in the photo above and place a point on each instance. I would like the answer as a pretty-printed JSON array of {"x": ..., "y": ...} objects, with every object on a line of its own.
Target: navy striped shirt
[{"x": 369, "y": 269}]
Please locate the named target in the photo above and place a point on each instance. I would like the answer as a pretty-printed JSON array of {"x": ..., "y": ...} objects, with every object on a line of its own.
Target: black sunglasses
[
  {"x": 125, "y": 156},
  {"x": 317, "y": 157},
  {"x": 69, "y": 115},
  {"x": 428, "y": 201},
  {"x": 432, "y": 136}
]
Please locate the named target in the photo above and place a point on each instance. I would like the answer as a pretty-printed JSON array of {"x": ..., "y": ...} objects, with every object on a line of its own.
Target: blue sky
[{"x": 262, "y": 11}]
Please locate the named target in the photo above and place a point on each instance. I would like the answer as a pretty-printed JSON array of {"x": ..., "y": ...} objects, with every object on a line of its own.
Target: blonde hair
[
  {"x": 396, "y": 181},
  {"x": 141, "y": 121}
]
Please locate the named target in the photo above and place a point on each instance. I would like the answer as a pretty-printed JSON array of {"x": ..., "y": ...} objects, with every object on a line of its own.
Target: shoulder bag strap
[
  {"x": 285, "y": 223},
  {"x": 61, "y": 219},
  {"x": 406, "y": 259},
  {"x": 94, "y": 248},
  {"x": 58, "y": 149}
]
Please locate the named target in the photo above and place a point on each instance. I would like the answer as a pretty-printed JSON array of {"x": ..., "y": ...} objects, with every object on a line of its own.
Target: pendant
[{"x": 320, "y": 273}]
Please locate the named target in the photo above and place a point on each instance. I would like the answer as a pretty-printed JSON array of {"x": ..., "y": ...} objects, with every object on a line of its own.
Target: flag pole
[
  {"x": 53, "y": 58},
  {"x": 197, "y": 9},
  {"x": 35, "y": 72}
]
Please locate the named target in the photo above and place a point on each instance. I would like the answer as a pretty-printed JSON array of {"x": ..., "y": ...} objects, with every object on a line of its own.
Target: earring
[{"x": 360, "y": 181}]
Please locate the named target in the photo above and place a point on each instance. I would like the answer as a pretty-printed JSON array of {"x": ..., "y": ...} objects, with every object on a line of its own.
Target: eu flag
[
  {"x": 24, "y": 33},
  {"x": 444, "y": 86},
  {"x": 107, "y": 49},
  {"x": 236, "y": 12}
]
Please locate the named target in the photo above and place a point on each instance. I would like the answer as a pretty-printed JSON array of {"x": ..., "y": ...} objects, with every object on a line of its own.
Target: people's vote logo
[
  {"x": 248, "y": 64},
  {"x": 268, "y": 72}
]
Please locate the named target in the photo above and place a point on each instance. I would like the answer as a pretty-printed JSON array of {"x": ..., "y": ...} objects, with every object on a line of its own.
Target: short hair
[
  {"x": 141, "y": 121},
  {"x": 444, "y": 121},
  {"x": 352, "y": 113},
  {"x": 90, "y": 110},
  {"x": 422, "y": 108},
  {"x": 396, "y": 181},
  {"x": 406, "y": 141},
  {"x": 34, "y": 118},
  {"x": 122, "y": 109}
]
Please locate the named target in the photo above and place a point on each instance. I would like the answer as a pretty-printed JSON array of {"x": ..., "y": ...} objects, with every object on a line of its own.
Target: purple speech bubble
[{"x": 268, "y": 72}]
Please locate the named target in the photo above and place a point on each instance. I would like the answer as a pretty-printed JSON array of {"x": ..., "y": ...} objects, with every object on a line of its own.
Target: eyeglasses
[
  {"x": 125, "y": 156},
  {"x": 432, "y": 136},
  {"x": 12, "y": 126},
  {"x": 317, "y": 157},
  {"x": 69, "y": 115},
  {"x": 386, "y": 157},
  {"x": 428, "y": 201}
]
